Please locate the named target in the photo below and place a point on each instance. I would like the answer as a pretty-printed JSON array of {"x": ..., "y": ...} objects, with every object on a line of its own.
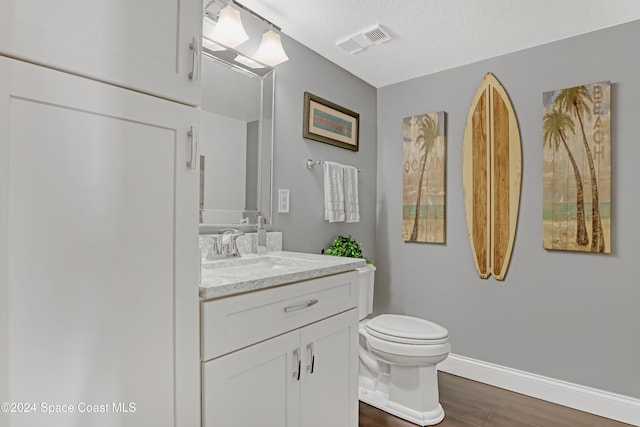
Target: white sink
[{"x": 255, "y": 265}]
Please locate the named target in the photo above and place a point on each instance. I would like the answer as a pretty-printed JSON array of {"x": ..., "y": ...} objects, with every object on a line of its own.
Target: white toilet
[{"x": 398, "y": 357}]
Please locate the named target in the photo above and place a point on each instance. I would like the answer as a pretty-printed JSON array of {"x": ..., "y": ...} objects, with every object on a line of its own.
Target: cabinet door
[
  {"x": 98, "y": 242},
  {"x": 329, "y": 395},
  {"x": 255, "y": 386},
  {"x": 141, "y": 44}
]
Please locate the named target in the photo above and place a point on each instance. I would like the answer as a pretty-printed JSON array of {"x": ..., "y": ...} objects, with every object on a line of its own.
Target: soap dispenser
[{"x": 262, "y": 235}]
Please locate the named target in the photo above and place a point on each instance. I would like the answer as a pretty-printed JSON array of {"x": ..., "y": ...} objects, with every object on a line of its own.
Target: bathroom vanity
[
  {"x": 278, "y": 331},
  {"x": 279, "y": 341}
]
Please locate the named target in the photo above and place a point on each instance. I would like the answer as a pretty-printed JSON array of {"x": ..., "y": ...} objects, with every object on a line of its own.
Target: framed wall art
[
  {"x": 330, "y": 123},
  {"x": 423, "y": 194},
  {"x": 576, "y": 191}
]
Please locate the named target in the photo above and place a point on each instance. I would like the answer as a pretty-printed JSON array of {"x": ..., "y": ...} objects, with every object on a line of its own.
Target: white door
[
  {"x": 98, "y": 235},
  {"x": 139, "y": 44},
  {"x": 329, "y": 395},
  {"x": 255, "y": 386}
]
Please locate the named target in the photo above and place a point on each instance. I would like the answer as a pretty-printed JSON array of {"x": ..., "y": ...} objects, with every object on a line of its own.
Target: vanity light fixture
[
  {"x": 229, "y": 30},
  {"x": 225, "y": 27},
  {"x": 271, "y": 51}
]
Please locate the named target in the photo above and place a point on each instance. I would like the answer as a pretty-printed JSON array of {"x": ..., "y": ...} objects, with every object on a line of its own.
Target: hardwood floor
[{"x": 468, "y": 403}]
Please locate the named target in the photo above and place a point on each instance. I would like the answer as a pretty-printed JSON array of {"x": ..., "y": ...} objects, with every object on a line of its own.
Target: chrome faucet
[
  {"x": 228, "y": 246},
  {"x": 221, "y": 245}
]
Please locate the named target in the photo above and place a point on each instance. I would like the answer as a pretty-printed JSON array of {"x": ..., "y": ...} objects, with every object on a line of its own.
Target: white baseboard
[{"x": 610, "y": 405}]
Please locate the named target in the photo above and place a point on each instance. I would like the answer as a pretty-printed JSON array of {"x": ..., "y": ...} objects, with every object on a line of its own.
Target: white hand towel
[
  {"x": 333, "y": 192},
  {"x": 351, "y": 203}
]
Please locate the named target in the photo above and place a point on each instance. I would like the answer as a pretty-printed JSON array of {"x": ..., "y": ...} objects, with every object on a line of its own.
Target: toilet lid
[{"x": 406, "y": 329}]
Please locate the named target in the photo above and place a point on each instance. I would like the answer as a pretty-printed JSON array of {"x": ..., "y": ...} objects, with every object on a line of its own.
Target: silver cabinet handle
[
  {"x": 312, "y": 357},
  {"x": 297, "y": 361},
  {"x": 290, "y": 308},
  {"x": 196, "y": 56},
  {"x": 193, "y": 135}
]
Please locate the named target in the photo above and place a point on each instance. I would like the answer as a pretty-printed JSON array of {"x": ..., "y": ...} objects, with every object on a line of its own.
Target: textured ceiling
[{"x": 434, "y": 35}]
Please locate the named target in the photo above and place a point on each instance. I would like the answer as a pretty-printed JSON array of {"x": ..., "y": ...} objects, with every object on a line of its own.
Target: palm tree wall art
[
  {"x": 424, "y": 150},
  {"x": 577, "y": 168}
]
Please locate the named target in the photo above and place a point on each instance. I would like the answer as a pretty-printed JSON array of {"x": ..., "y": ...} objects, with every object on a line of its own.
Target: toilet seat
[{"x": 406, "y": 330}]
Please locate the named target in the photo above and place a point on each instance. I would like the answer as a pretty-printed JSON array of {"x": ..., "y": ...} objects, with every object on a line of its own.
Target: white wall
[{"x": 570, "y": 316}]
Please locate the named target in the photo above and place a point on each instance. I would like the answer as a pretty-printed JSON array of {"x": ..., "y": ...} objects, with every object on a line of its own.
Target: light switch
[{"x": 283, "y": 200}]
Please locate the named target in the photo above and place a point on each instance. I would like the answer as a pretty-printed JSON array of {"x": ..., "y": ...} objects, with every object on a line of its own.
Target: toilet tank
[{"x": 366, "y": 277}]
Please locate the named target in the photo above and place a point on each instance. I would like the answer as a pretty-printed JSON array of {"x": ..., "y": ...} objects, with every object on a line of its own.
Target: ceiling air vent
[
  {"x": 377, "y": 35},
  {"x": 359, "y": 42}
]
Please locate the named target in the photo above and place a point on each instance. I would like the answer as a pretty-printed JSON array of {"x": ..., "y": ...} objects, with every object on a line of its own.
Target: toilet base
[{"x": 381, "y": 401}]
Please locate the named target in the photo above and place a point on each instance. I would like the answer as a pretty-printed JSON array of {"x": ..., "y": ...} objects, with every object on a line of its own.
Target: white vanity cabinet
[
  {"x": 285, "y": 356},
  {"x": 138, "y": 44},
  {"x": 98, "y": 232}
]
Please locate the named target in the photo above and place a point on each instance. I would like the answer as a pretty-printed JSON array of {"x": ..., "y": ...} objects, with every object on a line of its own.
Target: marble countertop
[{"x": 231, "y": 276}]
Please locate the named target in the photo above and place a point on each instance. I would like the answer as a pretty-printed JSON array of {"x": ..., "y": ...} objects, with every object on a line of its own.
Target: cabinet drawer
[{"x": 228, "y": 324}]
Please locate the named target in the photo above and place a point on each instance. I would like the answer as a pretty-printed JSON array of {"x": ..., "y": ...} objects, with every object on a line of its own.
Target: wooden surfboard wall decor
[{"x": 491, "y": 177}]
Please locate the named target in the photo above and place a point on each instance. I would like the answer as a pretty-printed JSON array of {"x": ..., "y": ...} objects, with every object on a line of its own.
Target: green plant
[{"x": 345, "y": 246}]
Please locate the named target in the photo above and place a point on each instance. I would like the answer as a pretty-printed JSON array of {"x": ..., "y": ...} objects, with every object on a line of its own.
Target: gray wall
[
  {"x": 304, "y": 228},
  {"x": 569, "y": 316}
]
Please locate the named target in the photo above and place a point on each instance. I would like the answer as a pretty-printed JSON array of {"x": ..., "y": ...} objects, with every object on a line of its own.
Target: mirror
[{"x": 235, "y": 140}]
